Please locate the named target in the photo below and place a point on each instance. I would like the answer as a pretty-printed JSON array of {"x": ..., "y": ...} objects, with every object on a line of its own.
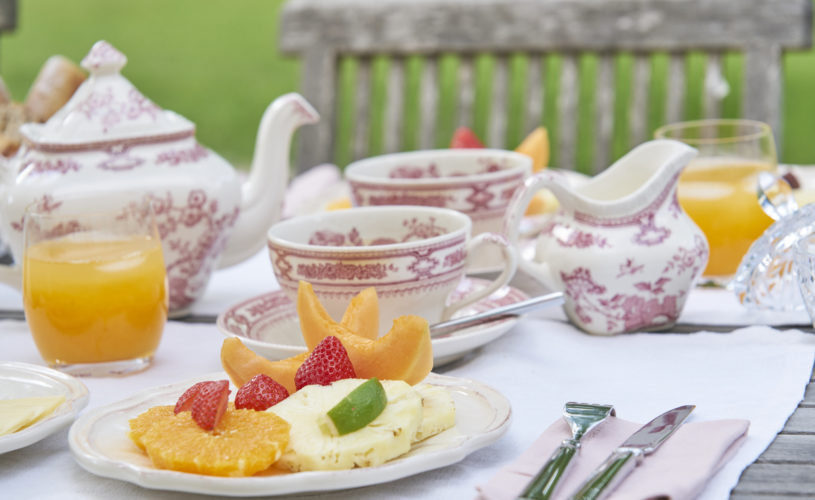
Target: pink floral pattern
[
  {"x": 455, "y": 258},
  {"x": 389, "y": 268},
  {"x": 420, "y": 230},
  {"x": 432, "y": 172},
  {"x": 416, "y": 229},
  {"x": 432, "y": 200},
  {"x": 243, "y": 319},
  {"x": 675, "y": 208},
  {"x": 102, "y": 105},
  {"x": 688, "y": 258},
  {"x": 45, "y": 204},
  {"x": 38, "y": 166},
  {"x": 570, "y": 237},
  {"x": 193, "y": 234},
  {"x": 344, "y": 271},
  {"x": 329, "y": 238},
  {"x": 485, "y": 199},
  {"x": 120, "y": 160},
  {"x": 414, "y": 172},
  {"x": 481, "y": 197},
  {"x": 175, "y": 157},
  {"x": 58, "y": 231},
  {"x": 424, "y": 265},
  {"x": 621, "y": 312},
  {"x": 629, "y": 268}
]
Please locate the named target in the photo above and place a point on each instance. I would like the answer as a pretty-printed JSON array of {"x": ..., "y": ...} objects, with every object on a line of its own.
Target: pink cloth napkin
[{"x": 679, "y": 469}]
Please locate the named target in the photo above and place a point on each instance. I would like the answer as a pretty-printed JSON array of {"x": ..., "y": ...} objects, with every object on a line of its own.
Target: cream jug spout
[
  {"x": 263, "y": 191},
  {"x": 634, "y": 180}
]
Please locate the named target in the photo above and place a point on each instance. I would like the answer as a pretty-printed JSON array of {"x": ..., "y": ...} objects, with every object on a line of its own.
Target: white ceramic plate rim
[
  {"x": 81, "y": 440},
  {"x": 446, "y": 348},
  {"x": 76, "y": 398}
]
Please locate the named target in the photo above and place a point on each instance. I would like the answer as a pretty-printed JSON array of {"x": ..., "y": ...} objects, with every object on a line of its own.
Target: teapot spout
[{"x": 263, "y": 191}]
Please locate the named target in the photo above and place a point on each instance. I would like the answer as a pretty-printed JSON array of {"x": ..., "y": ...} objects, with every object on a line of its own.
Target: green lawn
[
  {"x": 216, "y": 62},
  {"x": 213, "y": 61}
]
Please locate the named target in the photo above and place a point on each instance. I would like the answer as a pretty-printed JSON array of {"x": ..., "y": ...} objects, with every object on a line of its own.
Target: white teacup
[
  {"x": 476, "y": 182},
  {"x": 414, "y": 256}
]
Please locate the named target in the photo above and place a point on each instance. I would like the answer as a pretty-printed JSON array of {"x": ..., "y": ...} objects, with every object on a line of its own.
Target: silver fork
[{"x": 582, "y": 418}]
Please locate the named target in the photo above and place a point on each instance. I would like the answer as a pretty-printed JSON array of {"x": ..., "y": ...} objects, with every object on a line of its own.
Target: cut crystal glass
[{"x": 767, "y": 277}]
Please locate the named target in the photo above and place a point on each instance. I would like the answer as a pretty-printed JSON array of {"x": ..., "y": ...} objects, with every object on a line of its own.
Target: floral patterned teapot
[
  {"x": 621, "y": 248},
  {"x": 112, "y": 146}
]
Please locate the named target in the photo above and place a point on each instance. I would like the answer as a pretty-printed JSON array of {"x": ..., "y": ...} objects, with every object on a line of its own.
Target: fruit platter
[
  {"x": 100, "y": 444},
  {"x": 355, "y": 409}
]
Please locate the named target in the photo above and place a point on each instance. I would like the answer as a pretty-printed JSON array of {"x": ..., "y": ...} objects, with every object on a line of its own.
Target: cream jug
[
  {"x": 110, "y": 146},
  {"x": 620, "y": 247}
]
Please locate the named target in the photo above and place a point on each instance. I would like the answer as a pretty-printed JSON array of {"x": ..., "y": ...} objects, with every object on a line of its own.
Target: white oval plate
[
  {"x": 100, "y": 444},
  {"x": 268, "y": 324},
  {"x": 24, "y": 380}
]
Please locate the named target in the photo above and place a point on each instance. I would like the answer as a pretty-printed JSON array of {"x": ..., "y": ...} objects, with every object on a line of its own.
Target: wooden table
[{"x": 787, "y": 468}]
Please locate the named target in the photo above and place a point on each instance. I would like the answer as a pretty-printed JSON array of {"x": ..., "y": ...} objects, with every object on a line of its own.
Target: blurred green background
[
  {"x": 213, "y": 61},
  {"x": 216, "y": 62}
]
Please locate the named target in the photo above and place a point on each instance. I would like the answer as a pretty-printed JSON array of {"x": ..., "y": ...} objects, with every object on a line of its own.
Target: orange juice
[
  {"x": 719, "y": 194},
  {"x": 95, "y": 300}
]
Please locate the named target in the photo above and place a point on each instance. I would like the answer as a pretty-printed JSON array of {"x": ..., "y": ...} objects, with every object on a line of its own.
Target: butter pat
[{"x": 16, "y": 414}]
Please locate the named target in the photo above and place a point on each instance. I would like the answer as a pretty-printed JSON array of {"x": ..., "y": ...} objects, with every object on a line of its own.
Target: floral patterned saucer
[{"x": 268, "y": 324}]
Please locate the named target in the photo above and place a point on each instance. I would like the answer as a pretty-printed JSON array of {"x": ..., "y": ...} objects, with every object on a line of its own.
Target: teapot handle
[
  {"x": 11, "y": 275},
  {"x": 514, "y": 215}
]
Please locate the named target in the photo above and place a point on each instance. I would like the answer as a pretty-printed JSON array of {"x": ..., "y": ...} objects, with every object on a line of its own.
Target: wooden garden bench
[
  {"x": 322, "y": 33},
  {"x": 8, "y": 15}
]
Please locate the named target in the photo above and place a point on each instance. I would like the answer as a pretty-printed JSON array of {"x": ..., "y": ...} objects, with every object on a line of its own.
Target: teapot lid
[{"x": 106, "y": 110}]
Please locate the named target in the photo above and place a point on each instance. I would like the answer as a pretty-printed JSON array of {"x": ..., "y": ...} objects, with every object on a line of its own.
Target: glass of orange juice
[
  {"x": 718, "y": 189},
  {"x": 94, "y": 287}
]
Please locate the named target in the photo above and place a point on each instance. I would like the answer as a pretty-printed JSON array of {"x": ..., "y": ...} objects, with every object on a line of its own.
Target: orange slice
[{"x": 245, "y": 441}]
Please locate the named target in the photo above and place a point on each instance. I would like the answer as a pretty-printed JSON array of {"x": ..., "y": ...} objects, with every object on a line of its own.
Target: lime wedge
[{"x": 359, "y": 408}]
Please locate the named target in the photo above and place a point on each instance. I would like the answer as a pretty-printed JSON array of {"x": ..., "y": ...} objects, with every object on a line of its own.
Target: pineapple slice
[
  {"x": 311, "y": 448},
  {"x": 438, "y": 411}
]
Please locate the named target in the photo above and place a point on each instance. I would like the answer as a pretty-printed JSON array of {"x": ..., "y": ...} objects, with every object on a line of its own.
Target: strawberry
[
  {"x": 184, "y": 403},
  {"x": 327, "y": 362},
  {"x": 260, "y": 393},
  {"x": 463, "y": 137},
  {"x": 209, "y": 406}
]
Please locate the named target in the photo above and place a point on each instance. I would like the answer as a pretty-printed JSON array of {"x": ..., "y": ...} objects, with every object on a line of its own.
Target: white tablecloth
[{"x": 758, "y": 373}]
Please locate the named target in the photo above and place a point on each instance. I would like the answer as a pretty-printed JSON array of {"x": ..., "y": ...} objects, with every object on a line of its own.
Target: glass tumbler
[
  {"x": 94, "y": 287},
  {"x": 718, "y": 188}
]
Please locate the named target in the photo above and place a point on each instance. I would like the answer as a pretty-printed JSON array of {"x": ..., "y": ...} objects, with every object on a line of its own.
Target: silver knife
[{"x": 630, "y": 454}]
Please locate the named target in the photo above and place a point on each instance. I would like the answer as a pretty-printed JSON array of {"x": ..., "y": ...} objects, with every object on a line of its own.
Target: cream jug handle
[
  {"x": 515, "y": 213},
  {"x": 510, "y": 260}
]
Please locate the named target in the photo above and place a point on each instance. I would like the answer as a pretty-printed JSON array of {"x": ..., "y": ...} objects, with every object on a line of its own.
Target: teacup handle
[
  {"x": 514, "y": 214},
  {"x": 510, "y": 259}
]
